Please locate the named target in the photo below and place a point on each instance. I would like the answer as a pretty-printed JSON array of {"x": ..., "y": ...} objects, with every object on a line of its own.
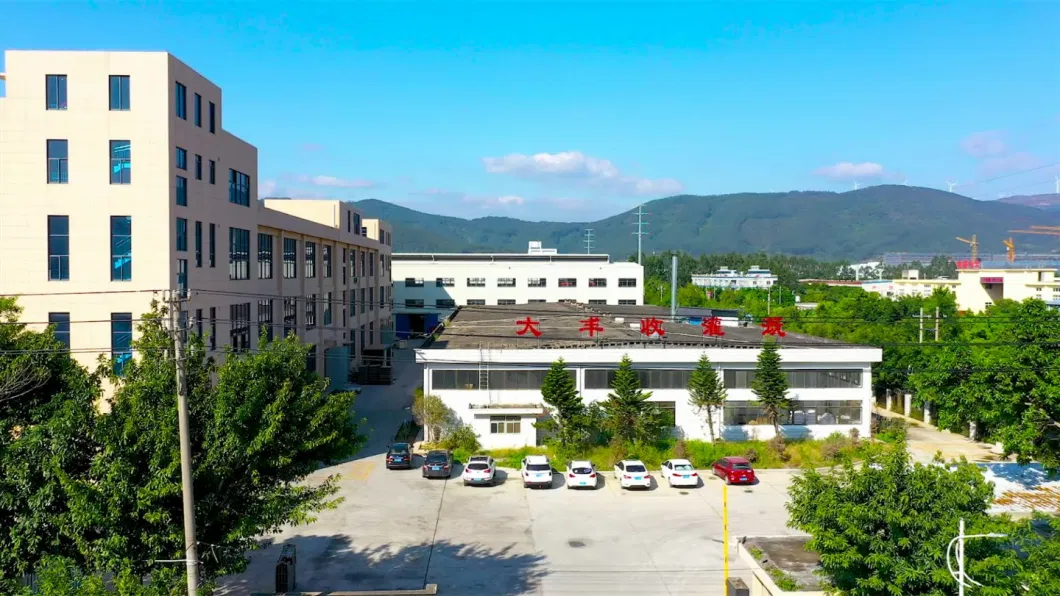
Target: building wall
[
  {"x": 89, "y": 199},
  {"x": 726, "y": 278},
  {"x": 471, "y": 405}
]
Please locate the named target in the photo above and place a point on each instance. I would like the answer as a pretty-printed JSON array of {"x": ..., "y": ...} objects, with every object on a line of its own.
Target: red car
[{"x": 734, "y": 470}]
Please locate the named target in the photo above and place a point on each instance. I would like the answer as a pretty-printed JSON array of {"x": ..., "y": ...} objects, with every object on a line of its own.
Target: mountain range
[
  {"x": 1049, "y": 202},
  {"x": 850, "y": 225}
]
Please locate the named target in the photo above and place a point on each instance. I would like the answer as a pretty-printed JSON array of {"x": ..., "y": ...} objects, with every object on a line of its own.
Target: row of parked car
[{"x": 537, "y": 470}]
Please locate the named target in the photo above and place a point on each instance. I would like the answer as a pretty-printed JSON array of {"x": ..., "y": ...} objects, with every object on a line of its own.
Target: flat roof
[
  {"x": 494, "y": 327},
  {"x": 487, "y": 257}
]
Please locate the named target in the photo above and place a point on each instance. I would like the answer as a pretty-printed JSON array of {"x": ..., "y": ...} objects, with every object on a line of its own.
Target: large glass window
[
  {"x": 290, "y": 258},
  {"x": 120, "y": 162},
  {"x": 181, "y": 101},
  {"x": 326, "y": 256},
  {"x": 238, "y": 188},
  {"x": 182, "y": 234},
  {"x": 182, "y": 191},
  {"x": 649, "y": 378},
  {"x": 310, "y": 259},
  {"x": 119, "y": 92},
  {"x": 55, "y": 86},
  {"x": 476, "y": 282},
  {"x": 238, "y": 254},
  {"x": 800, "y": 379},
  {"x": 568, "y": 282},
  {"x": 239, "y": 315},
  {"x": 801, "y": 413},
  {"x": 505, "y": 425},
  {"x": 327, "y": 309},
  {"x": 121, "y": 328},
  {"x": 60, "y": 322},
  {"x": 290, "y": 316},
  {"x": 264, "y": 256},
  {"x": 505, "y": 282},
  {"x": 120, "y": 248},
  {"x": 512, "y": 380},
  {"x": 310, "y": 311},
  {"x": 265, "y": 319},
  {"x": 414, "y": 303},
  {"x": 627, "y": 282},
  {"x": 58, "y": 161},
  {"x": 597, "y": 282},
  {"x": 58, "y": 247},
  {"x": 536, "y": 282}
]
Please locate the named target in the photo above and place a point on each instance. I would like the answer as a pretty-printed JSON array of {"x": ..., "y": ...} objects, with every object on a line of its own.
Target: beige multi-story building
[{"x": 118, "y": 182}]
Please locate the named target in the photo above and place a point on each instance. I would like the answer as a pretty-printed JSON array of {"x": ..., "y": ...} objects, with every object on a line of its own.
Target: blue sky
[{"x": 575, "y": 111}]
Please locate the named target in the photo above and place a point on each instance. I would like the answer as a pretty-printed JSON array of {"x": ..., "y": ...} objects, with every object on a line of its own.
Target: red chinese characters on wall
[
  {"x": 652, "y": 326},
  {"x": 528, "y": 325},
  {"x": 968, "y": 264},
  {"x": 712, "y": 327},
  {"x": 592, "y": 326},
  {"x": 773, "y": 326}
]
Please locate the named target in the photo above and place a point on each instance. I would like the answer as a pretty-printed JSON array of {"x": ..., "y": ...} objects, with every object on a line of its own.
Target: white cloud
[
  {"x": 332, "y": 181},
  {"x": 846, "y": 170},
  {"x": 989, "y": 143},
  {"x": 266, "y": 188},
  {"x": 578, "y": 167}
]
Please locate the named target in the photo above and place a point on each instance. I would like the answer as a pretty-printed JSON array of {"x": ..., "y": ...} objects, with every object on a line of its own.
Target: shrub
[
  {"x": 783, "y": 580},
  {"x": 779, "y": 448},
  {"x": 855, "y": 436},
  {"x": 461, "y": 438},
  {"x": 751, "y": 455},
  {"x": 680, "y": 449},
  {"x": 892, "y": 430}
]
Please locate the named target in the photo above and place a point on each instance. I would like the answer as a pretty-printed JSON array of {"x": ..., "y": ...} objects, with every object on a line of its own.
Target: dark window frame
[
  {"x": 60, "y": 324},
  {"x": 182, "y": 191},
  {"x": 120, "y": 166},
  {"x": 238, "y": 254},
  {"x": 58, "y": 155},
  {"x": 58, "y": 248},
  {"x": 181, "y": 234},
  {"x": 265, "y": 246},
  {"x": 121, "y": 332},
  {"x": 120, "y": 100},
  {"x": 120, "y": 257},
  {"x": 180, "y": 98},
  {"x": 55, "y": 92}
]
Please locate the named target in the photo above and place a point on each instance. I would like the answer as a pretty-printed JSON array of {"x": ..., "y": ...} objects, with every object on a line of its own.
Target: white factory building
[
  {"x": 428, "y": 286},
  {"x": 491, "y": 376},
  {"x": 725, "y": 278}
]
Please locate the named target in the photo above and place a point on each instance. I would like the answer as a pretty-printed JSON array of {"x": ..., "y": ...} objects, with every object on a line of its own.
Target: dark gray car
[{"x": 438, "y": 464}]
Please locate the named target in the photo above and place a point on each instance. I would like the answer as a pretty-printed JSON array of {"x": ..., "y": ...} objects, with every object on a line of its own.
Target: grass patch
[
  {"x": 783, "y": 580},
  {"x": 755, "y": 552}
]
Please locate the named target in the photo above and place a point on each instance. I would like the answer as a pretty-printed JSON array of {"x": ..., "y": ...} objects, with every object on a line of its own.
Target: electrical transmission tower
[
  {"x": 589, "y": 241},
  {"x": 640, "y": 230}
]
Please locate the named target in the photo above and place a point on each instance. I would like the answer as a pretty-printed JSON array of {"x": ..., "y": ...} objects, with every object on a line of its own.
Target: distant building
[{"x": 726, "y": 278}]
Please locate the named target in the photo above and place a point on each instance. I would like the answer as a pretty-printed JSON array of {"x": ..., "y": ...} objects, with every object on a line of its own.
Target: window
[
  {"x": 213, "y": 327},
  {"x": 365, "y": 306},
  {"x": 119, "y": 93},
  {"x": 198, "y": 167},
  {"x": 182, "y": 159},
  {"x": 511, "y": 380},
  {"x": 264, "y": 256},
  {"x": 364, "y": 269},
  {"x": 120, "y": 162},
  {"x": 238, "y": 188},
  {"x": 310, "y": 259},
  {"x": 627, "y": 302},
  {"x": 371, "y": 265},
  {"x": 444, "y": 282},
  {"x": 121, "y": 328},
  {"x": 327, "y": 259},
  {"x": 311, "y": 359},
  {"x": 290, "y": 258},
  {"x": 55, "y": 86},
  {"x": 567, "y": 301},
  {"x": 60, "y": 322},
  {"x": 310, "y": 311},
  {"x": 327, "y": 309},
  {"x": 58, "y": 247},
  {"x": 476, "y": 302},
  {"x": 627, "y": 282},
  {"x": 198, "y": 321},
  {"x": 213, "y": 109},
  {"x": 535, "y": 282},
  {"x": 213, "y": 245},
  {"x": 445, "y": 303},
  {"x": 182, "y": 191},
  {"x": 597, "y": 282},
  {"x": 505, "y": 302},
  {"x": 213, "y": 172},
  {"x": 120, "y": 248},
  {"x": 598, "y": 302},
  {"x": 829, "y": 412},
  {"x": 505, "y": 425},
  {"x": 290, "y": 316},
  {"x": 353, "y": 302},
  {"x": 535, "y": 301},
  {"x": 649, "y": 378},
  {"x": 505, "y": 282},
  {"x": 412, "y": 282},
  {"x": 239, "y": 318},
  {"x": 238, "y": 254},
  {"x": 344, "y": 278},
  {"x": 198, "y": 244},
  {"x": 182, "y": 275},
  {"x": 345, "y": 322},
  {"x": 568, "y": 282},
  {"x": 382, "y": 297},
  {"x": 476, "y": 282},
  {"x": 357, "y": 223},
  {"x": 182, "y": 234},
  {"x": 181, "y": 100},
  {"x": 800, "y": 379},
  {"x": 414, "y": 303},
  {"x": 58, "y": 161},
  {"x": 371, "y": 298},
  {"x": 265, "y": 319},
  {"x": 198, "y": 110},
  {"x": 668, "y": 409}
]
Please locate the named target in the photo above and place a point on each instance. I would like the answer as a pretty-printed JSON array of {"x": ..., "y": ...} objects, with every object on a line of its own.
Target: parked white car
[
  {"x": 581, "y": 474},
  {"x": 479, "y": 469},
  {"x": 632, "y": 473},
  {"x": 680, "y": 472},
  {"x": 536, "y": 471}
]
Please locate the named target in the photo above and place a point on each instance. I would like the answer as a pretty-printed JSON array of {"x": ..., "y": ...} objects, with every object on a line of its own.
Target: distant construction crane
[
  {"x": 1040, "y": 230},
  {"x": 974, "y": 243},
  {"x": 1010, "y": 249}
]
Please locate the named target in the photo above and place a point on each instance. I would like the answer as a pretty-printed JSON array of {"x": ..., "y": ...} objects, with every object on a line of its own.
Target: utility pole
[
  {"x": 589, "y": 241},
  {"x": 920, "y": 319},
  {"x": 640, "y": 229},
  {"x": 191, "y": 549},
  {"x": 936, "y": 323}
]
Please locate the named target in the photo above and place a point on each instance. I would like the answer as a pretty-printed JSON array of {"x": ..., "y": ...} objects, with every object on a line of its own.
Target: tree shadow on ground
[{"x": 332, "y": 563}]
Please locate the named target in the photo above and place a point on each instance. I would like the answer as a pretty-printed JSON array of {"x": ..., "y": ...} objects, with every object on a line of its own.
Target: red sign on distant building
[
  {"x": 991, "y": 280},
  {"x": 968, "y": 264},
  {"x": 591, "y": 325},
  {"x": 528, "y": 325},
  {"x": 773, "y": 326},
  {"x": 651, "y": 327},
  {"x": 712, "y": 327}
]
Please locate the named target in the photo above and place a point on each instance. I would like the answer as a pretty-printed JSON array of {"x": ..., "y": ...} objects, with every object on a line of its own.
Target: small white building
[
  {"x": 491, "y": 376},
  {"x": 725, "y": 278},
  {"x": 428, "y": 286}
]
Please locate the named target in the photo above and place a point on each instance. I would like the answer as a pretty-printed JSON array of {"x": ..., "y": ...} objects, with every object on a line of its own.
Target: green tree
[
  {"x": 432, "y": 413},
  {"x": 628, "y": 415},
  {"x": 706, "y": 391},
  {"x": 770, "y": 384},
  {"x": 567, "y": 410}
]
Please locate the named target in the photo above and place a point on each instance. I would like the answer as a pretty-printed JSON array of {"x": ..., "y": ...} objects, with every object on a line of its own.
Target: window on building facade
[
  {"x": 58, "y": 161},
  {"x": 55, "y": 89},
  {"x": 198, "y": 167},
  {"x": 371, "y": 298},
  {"x": 327, "y": 308},
  {"x": 476, "y": 282},
  {"x": 310, "y": 311},
  {"x": 119, "y": 93},
  {"x": 649, "y": 378},
  {"x": 213, "y": 327},
  {"x": 182, "y": 275},
  {"x": 800, "y": 379},
  {"x": 414, "y": 303},
  {"x": 808, "y": 412},
  {"x": 500, "y": 380},
  {"x": 357, "y": 224},
  {"x": 445, "y": 303},
  {"x": 365, "y": 306},
  {"x": 182, "y": 159},
  {"x": 353, "y": 265},
  {"x": 627, "y": 282},
  {"x": 182, "y": 191},
  {"x": 60, "y": 324},
  {"x": 198, "y": 321},
  {"x": 121, "y": 329},
  {"x": 290, "y": 316},
  {"x": 505, "y": 302},
  {"x": 505, "y": 425},
  {"x": 213, "y": 111},
  {"x": 567, "y": 301},
  {"x": 58, "y": 248},
  {"x": 597, "y": 282},
  {"x": 326, "y": 258},
  {"x": 412, "y": 282},
  {"x": 568, "y": 282},
  {"x": 290, "y": 258},
  {"x": 310, "y": 259},
  {"x": 120, "y": 248},
  {"x": 598, "y": 302},
  {"x": 535, "y": 301},
  {"x": 444, "y": 282},
  {"x": 264, "y": 256},
  {"x": 120, "y": 162},
  {"x": 505, "y": 282},
  {"x": 345, "y": 321},
  {"x": 311, "y": 359},
  {"x": 344, "y": 278},
  {"x": 239, "y": 316},
  {"x": 198, "y": 110},
  {"x": 181, "y": 101},
  {"x": 238, "y": 188},
  {"x": 213, "y": 172},
  {"x": 182, "y": 234},
  {"x": 364, "y": 267},
  {"x": 198, "y": 244},
  {"x": 626, "y": 302},
  {"x": 265, "y": 319},
  {"x": 476, "y": 302},
  {"x": 536, "y": 282},
  {"x": 238, "y": 253},
  {"x": 371, "y": 265},
  {"x": 353, "y": 303},
  {"x": 213, "y": 245}
]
